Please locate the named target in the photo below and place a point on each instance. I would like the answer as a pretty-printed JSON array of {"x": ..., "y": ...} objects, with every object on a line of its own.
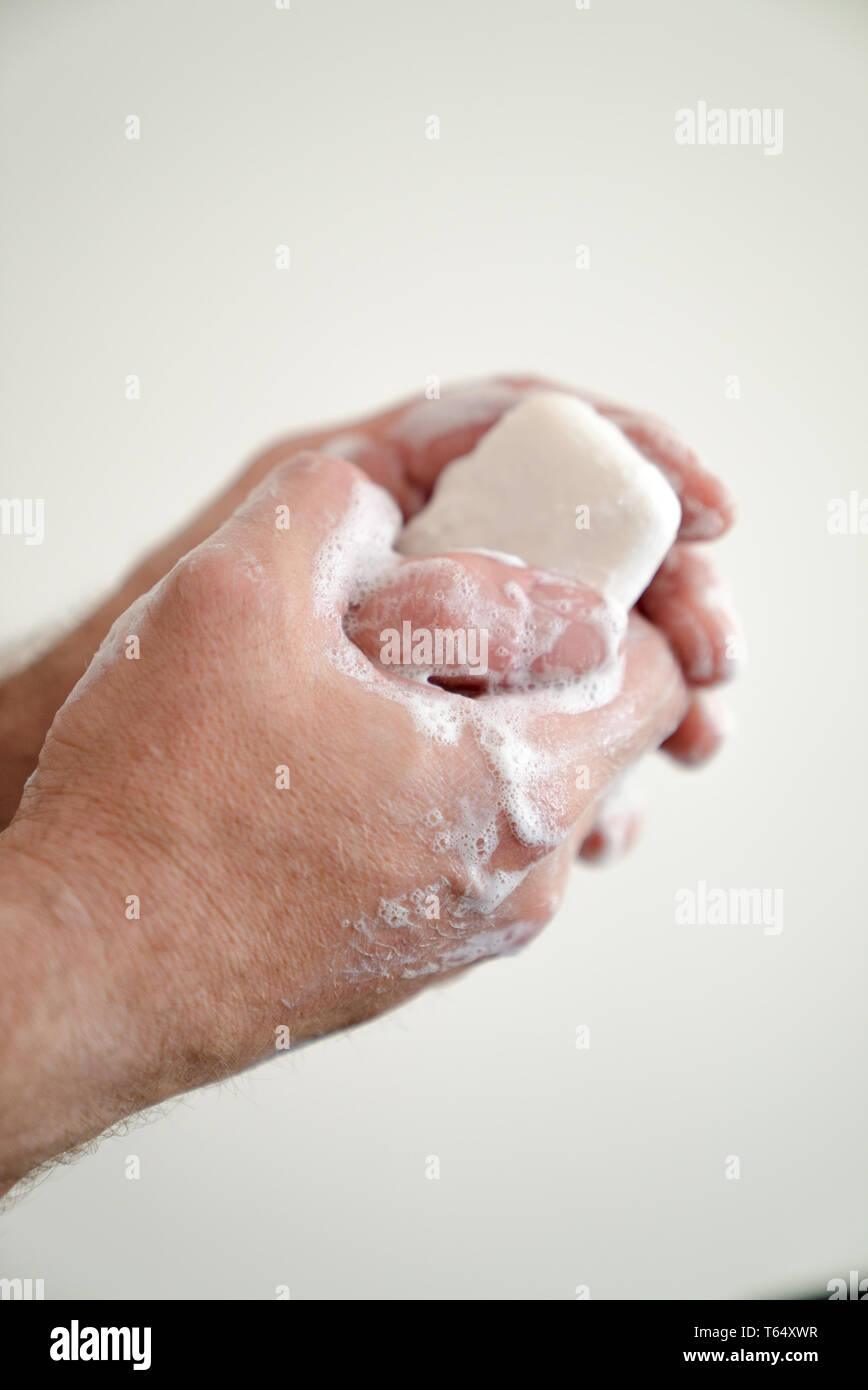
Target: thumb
[{"x": 472, "y": 622}]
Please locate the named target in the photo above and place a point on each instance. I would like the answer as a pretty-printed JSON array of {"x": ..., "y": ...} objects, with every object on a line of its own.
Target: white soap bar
[{"x": 560, "y": 486}]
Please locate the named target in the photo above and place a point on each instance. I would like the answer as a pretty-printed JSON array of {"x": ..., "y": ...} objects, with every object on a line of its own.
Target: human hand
[
  {"x": 404, "y": 449},
  {"x": 243, "y": 822}
]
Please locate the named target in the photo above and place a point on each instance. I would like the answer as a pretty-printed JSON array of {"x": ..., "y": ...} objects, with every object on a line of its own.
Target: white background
[{"x": 456, "y": 257}]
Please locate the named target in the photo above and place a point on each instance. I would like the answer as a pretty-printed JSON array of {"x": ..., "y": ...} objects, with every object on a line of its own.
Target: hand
[
  {"x": 405, "y": 449},
  {"x": 169, "y": 904}
]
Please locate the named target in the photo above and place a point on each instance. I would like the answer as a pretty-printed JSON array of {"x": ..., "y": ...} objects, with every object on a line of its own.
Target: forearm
[{"x": 79, "y": 1048}]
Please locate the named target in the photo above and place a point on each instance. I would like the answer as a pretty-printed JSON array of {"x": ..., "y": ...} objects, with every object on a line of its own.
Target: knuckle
[
  {"x": 213, "y": 584},
  {"x": 332, "y": 472}
]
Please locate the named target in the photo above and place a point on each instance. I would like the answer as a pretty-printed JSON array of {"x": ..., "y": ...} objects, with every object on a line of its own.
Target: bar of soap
[{"x": 560, "y": 486}]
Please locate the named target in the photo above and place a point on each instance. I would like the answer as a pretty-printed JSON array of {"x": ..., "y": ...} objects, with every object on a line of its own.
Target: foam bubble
[{"x": 527, "y": 762}]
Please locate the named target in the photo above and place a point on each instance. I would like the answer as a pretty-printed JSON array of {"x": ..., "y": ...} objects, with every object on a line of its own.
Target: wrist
[{"x": 24, "y": 717}]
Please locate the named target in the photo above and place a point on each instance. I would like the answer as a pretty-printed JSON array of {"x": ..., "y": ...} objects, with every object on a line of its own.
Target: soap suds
[
  {"x": 358, "y": 553},
  {"x": 356, "y": 560},
  {"x": 511, "y": 726}
]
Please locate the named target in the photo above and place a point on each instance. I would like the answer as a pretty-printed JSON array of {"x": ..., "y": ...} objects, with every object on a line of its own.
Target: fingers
[
  {"x": 707, "y": 506},
  {"x": 688, "y": 602},
  {"x": 381, "y": 460},
  {"x": 554, "y": 751},
  {"x": 686, "y": 599},
  {"x": 619, "y": 814},
  {"x": 546, "y": 678},
  {"x": 471, "y": 622},
  {"x": 282, "y": 569},
  {"x": 321, "y": 521},
  {"x": 617, "y": 825},
  {"x": 702, "y": 731},
  {"x": 405, "y": 449},
  {"x": 431, "y": 433},
  {"x": 649, "y": 707},
  {"x": 519, "y": 917}
]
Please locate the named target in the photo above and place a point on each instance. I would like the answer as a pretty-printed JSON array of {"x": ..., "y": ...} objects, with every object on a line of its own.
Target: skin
[
  {"x": 30, "y": 698},
  {"x": 260, "y": 906}
]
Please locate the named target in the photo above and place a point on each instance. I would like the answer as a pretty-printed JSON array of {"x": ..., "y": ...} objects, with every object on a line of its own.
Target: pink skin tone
[
  {"x": 691, "y": 617},
  {"x": 261, "y": 907},
  {"x": 264, "y": 907},
  {"x": 509, "y": 600},
  {"x": 686, "y": 600}
]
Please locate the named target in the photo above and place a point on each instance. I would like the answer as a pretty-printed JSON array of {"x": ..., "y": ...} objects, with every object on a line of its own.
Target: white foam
[
  {"x": 357, "y": 558},
  {"x": 358, "y": 554},
  {"x": 530, "y": 770}
]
